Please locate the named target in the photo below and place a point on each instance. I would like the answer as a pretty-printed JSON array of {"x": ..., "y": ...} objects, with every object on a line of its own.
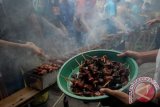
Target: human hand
[
  {"x": 107, "y": 91},
  {"x": 133, "y": 54},
  {"x": 152, "y": 22},
  {"x": 35, "y": 49},
  {"x": 117, "y": 94}
]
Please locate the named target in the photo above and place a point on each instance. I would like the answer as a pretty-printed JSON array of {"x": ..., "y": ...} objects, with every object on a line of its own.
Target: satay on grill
[
  {"x": 98, "y": 72},
  {"x": 46, "y": 68}
]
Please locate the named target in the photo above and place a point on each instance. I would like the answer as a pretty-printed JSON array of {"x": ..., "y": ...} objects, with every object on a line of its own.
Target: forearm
[
  {"x": 158, "y": 95},
  {"x": 4, "y": 43},
  {"x": 121, "y": 96},
  {"x": 149, "y": 56}
]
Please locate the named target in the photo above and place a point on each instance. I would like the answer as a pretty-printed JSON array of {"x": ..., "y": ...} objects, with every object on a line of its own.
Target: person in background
[
  {"x": 15, "y": 51},
  {"x": 67, "y": 13},
  {"x": 54, "y": 34},
  {"x": 146, "y": 7},
  {"x": 41, "y": 7},
  {"x": 110, "y": 8},
  {"x": 123, "y": 18},
  {"x": 110, "y": 12},
  {"x": 55, "y": 17},
  {"x": 121, "y": 99},
  {"x": 136, "y": 13},
  {"x": 21, "y": 22},
  {"x": 81, "y": 27},
  {"x": 136, "y": 7}
]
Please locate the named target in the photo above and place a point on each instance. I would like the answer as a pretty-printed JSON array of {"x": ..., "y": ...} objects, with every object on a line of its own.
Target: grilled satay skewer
[{"x": 106, "y": 84}]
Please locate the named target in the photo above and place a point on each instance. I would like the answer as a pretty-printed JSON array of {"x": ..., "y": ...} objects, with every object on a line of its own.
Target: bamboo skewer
[
  {"x": 81, "y": 62},
  {"x": 106, "y": 83},
  {"x": 83, "y": 56},
  {"x": 127, "y": 66},
  {"x": 89, "y": 56},
  {"x": 67, "y": 79},
  {"x": 77, "y": 62},
  {"x": 59, "y": 100}
]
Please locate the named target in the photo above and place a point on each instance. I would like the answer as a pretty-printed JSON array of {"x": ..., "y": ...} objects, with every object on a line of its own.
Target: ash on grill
[{"x": 96, "y": 73}]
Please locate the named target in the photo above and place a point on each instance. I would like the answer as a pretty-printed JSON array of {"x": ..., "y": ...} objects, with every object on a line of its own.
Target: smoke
[
  {"x": 34, "y": 21},
  {"x": 26, "y": 22}
]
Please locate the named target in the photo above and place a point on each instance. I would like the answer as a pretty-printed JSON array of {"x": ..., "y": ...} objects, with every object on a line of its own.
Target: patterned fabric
[{"x": 157, "y": 72}]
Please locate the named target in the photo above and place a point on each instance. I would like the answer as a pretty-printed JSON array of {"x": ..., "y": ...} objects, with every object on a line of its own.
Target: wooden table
[{"x": 21, "y": 97}]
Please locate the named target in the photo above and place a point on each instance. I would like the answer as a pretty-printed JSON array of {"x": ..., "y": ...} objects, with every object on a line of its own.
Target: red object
[
  {"x": 150, "y": 94},
  {"x": 80, "y": 7}
]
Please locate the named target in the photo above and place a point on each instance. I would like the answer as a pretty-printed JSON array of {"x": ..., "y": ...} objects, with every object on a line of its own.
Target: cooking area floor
[{"x": 147, "y": 69}]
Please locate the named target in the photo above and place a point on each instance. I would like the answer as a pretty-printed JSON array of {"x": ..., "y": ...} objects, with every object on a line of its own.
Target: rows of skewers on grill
[
  {"x": 55, "y": 64},
  {"x": 96, "y": 73},
  {"x": 46, "y": 68}
]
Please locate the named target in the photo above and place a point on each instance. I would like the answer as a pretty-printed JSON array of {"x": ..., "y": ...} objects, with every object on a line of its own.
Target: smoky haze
[{"x": 29, "y": 20}]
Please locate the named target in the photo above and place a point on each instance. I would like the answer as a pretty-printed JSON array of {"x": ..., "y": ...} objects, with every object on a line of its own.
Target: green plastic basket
[{"x": 71, "y": 66}]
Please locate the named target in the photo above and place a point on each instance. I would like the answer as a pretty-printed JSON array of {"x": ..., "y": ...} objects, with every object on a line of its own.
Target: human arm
[
  {"x": 28, "y": 45},
  {"x": 157, "y": 95},
  {"x": 141, "y": 57},
  {"x": 4, "y": 43},
  {"x": 117, "y": 94},
  {"x": 153, "y": 21}
]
